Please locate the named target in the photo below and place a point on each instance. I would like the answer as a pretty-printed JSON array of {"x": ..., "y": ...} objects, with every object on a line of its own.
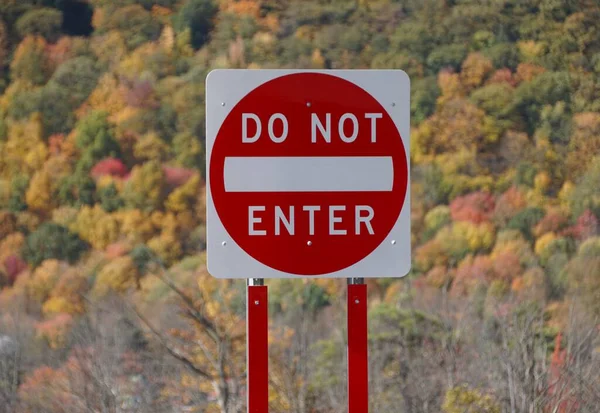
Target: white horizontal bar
[{"x": 309, "y": 174}]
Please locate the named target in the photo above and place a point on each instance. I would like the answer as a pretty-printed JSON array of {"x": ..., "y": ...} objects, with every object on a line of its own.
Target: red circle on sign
[{"x": 327, "y": 249}]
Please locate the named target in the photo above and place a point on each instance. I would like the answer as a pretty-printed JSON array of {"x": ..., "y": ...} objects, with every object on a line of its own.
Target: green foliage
[
  {"x": 52, "y": 241},
  {"x": 503, "y": 55},
  {"x": 109, "y": 198},
  {"x": 146, "y": 187},
  {"x": 142, "y": 257},
  {"x": 137, "y": 25},
  {"x": 18, "y": 188},
  {"x": 304, "y": 297},
  {"x": 447, "y": 56},
  {"x": 96, "y": 140},
  {"x": 45, "y": 22},
  {"x": 197, "y": 16},
  {"x": 78, "y": 77},
  {"x": 437, "y": 188},
  {"x": 77, "y": 190},
  {"x": 586, "y": 194},
  {"x": 424, "y": 94},
  {"x": 525, "y": 220},
  {"x": 546, "y": 89},
  {"x": 188, "y": 151}
]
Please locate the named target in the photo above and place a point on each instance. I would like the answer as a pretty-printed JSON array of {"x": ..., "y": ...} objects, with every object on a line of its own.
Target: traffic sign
[{"x": 307, "y": 173}]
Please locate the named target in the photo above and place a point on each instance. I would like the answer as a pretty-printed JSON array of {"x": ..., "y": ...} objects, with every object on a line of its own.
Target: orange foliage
[
  {"x": 509, "y": 204},
  {"x": 476, "y": 207},
  {"x": 471, "y": 272},
  {"x": 526, "y": 72}
]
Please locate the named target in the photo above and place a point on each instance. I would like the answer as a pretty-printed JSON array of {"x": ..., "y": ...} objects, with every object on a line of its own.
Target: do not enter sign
[{"x": 307, "y": 173}]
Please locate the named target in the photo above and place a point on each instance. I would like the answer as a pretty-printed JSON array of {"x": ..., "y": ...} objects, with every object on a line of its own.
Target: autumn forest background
[{"x": 105, "y": 302}]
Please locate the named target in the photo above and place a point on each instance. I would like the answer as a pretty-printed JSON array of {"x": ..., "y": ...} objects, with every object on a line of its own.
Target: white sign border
[{"x": 224, "y": 90}]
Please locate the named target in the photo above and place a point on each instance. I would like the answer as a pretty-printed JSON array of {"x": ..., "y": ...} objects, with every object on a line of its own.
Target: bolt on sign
[{"x": 308, "y": 173}]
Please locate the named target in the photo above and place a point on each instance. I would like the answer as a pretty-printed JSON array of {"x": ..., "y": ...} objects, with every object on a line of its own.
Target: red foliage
[
  {"x": 14, "y": 265},
  {"x": 476, "y": 207},
  {"x": 109, "y": 166},
  {"x": 175, "y": 177},
  {"x": 559, "y": 388},
  {"x": 587, "y": 226}
]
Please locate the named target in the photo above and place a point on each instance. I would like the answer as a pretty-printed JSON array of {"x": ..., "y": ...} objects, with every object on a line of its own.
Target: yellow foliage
[
  {"x": 58, "y": 167},
  {"x": 96, "y": 226},
  {"x": 475, "y": 69},
  {"x": 29, "y": 61},
  {"x": 44, "y": 278},
  {"x": 151, "y": 148},
  {"x": 167, "y": 38},
  {"x": 541, "y": 182},
  {"x": 118, "y": 275},
  {"x": 450, "y": 86},
  {"x": 25, "y": 151},
  {"x": 463, "y": 400},
  {"x": 107, "y": 96},
  {"x": 466, "y": 236},
  {"x": 543, "y": 242},
  {"x": 317, "y": 59},
  {"x": 530, "y": 50},
  {"x": 56, "y": 305},
  {"x": 135, "y": 225},
  {"x": 167, "y": 246},
  {"x": 429, "y": 255},
  {"x": 67, "y": 295},
  {"x": 64, "y": 216},
  {"x": 28, "y": 220},
  {"x": 458, "y": 125},
  {"x": 109, "y": 49},
  {"x": 39, "y": 195},
  {"x": 184, "y": 198}
]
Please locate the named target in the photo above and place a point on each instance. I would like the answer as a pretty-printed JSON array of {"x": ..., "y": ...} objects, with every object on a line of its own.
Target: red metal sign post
[
  {"x": 257, "y": 324},
  {"x": 358, "y": 366}
]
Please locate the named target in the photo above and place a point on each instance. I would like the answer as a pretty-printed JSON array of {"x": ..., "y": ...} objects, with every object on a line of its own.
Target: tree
[
  {"x": 135, "y": 23},
  {"x": 184, "y": 198},
  {"x": 96, "y": 226},
  {"x": 45, "y": 22},
  {"x": 526, "y": 220},
  {"x": 109, "y": 198},
  {"x": 40, "y": 193},
  {"x": 119, "y": 275},
  {"x": 77, "y": 190},
  {"x": 19, "y": 187},
  {"x": 52, "y": 241},
  {"x": 197, "y": 16},
  {"x": 78, "y": 76},
  {"x": 145, "y": 189},
  {"x": 476, "y": 207},
  {"x": 95, "y": 138},
  {"x": 29, "y": 62}
]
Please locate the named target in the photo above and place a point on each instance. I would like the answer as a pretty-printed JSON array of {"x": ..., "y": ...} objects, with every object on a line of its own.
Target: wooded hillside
[{"x": 105, "y": 302}]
